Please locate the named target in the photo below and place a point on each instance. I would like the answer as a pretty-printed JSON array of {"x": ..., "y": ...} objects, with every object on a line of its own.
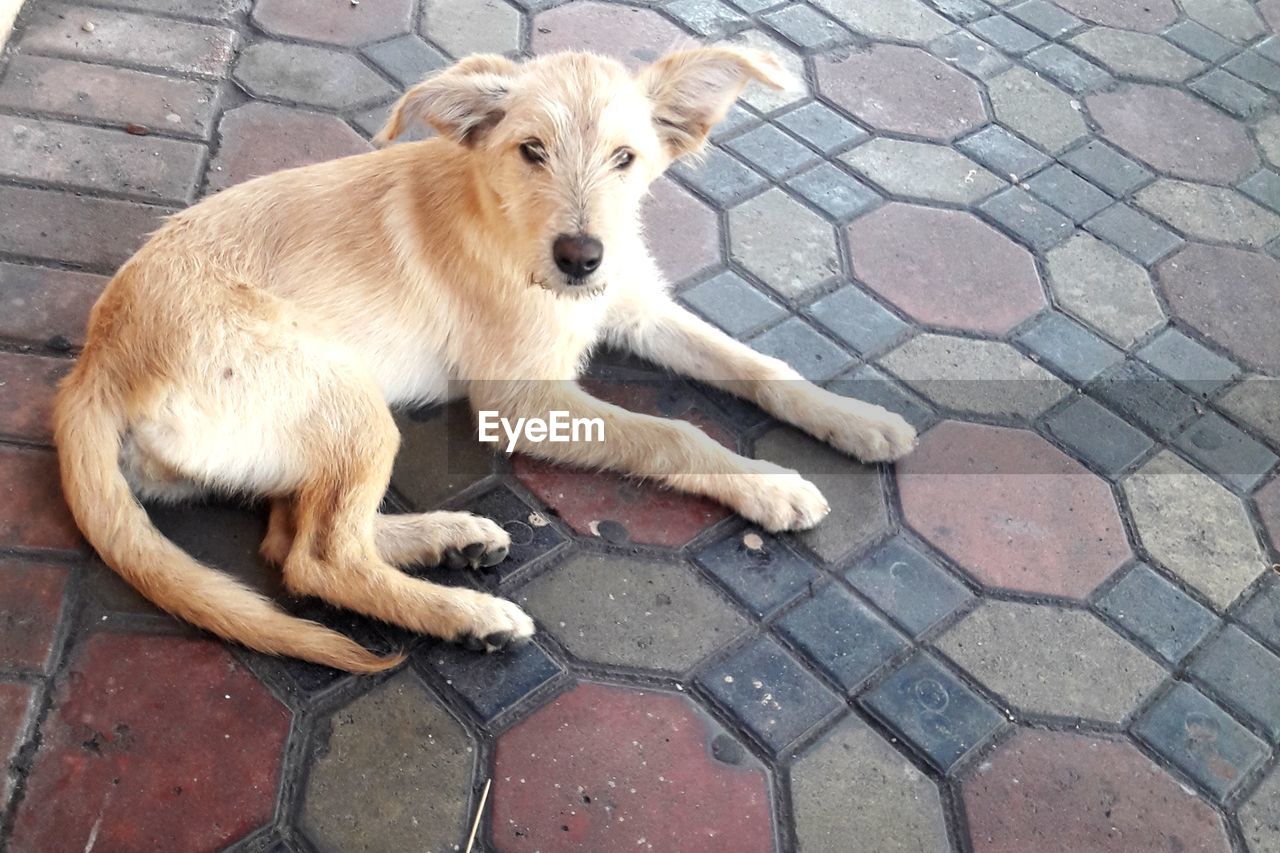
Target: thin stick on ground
[{"x": 475, "y": 825}]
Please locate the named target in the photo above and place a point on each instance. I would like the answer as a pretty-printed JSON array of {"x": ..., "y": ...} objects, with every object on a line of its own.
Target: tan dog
[{"x": 254, "y": 344}]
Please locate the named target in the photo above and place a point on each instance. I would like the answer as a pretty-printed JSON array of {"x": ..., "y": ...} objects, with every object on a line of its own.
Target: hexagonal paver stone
[
  {"x": 1260, "y": 815},
  {"x": 309, "y": 75},
  {"x": 1234, "y": 19},
  {"x": 439, "y": 456},
  {"x": 1230, "y": 296},
  {"x": 613, "y": 768},
  {"x": 853, "y": 785},
  {"x": 1032, "y": 106},
  {"x": 646, "y": 614},
  {"x": 1140, "y": 55},
  {"x": 1194, "y": 527},
  {"x": 1255, "y": 402},
  {"x": 902, "y": 90},
  {"x": 789, "y": 247},
  {"x": 964, "y": 275},
  {"x": 1148, "y": 16},
  {"x": 258, "y": 139},
  {"x": 472, "y": 26},
  {"x": 681, "y": 232},
  {"x": 1174, "y": 132},
  {"x": 1210, "y": 213},
  {"x": 858, "y": 514},
  {"x": 921, "y": 170},
  {"x": 634, "y": 36},
  {"x": 1104, "y": 289},
  {"x": 1059, "y": 792},
  {"x": 334, "y": 23},
  {"x": 892, "y": 20},
  {"x": 975, "y": 377},
  {"x": 1088, "y": 671},
  {"x": 1012, "y": 509},
  {"x": 156, "y": 743},
  {"x": 393, "y": 772}
]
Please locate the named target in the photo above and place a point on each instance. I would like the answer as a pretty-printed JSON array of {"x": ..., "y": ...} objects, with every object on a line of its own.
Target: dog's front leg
[
  {"x": 656, "y": 328},
  {"x": 674, "y": 453}
]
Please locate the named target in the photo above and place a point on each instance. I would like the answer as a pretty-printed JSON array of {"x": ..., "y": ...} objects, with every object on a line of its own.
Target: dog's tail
[{"x": 88, "y": 425}]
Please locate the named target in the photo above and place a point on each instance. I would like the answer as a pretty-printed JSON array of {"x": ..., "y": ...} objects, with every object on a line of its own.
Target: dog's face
[{"x": 568, "y": 144}]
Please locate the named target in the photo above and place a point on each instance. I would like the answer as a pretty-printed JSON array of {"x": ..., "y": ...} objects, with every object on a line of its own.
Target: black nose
[{"x": 577, "y": 256}]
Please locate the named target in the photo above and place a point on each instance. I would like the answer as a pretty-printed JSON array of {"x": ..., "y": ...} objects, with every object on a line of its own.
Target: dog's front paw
[
  {"x": 777, "y": 499},
  {"x": 493, "y": 624},
  {"x": 868, "y": 432}
]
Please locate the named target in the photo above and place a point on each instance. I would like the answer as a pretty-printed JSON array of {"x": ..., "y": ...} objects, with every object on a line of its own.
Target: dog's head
[{"x": 569, "y": 143}]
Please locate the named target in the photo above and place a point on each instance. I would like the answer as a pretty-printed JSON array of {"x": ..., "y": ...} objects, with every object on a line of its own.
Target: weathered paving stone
[
  {"x": 1174, "y": 132},
  {"x": 408, "y": 58},
  {"x": 116, "y": 96},
  {"x": 1097, "y": 436},
  {"x": 1233, "y": 19},
  {"x": 1138, "y": 55},
  {"x": 966, "y": 276},
  {"x": 1257, "y": 70},
  {"x": 1012, "y": 510},
  {"x": 1267, "y": 130},
  {"x": 805, "y": 26},
  {"x": 1069, "y": 347},
  {"x": 872, "y": 385},
  {"x": 1106, "y": 167},
  {"x": 1227, "y": 295},
  {"x": 334, "y": 23},
  {"x": 634, "y": 36},
  {"x": 1045, "y": 18},
  {"x": 1255, "y": 402},
  {"x": 758, "y": 570},
  {"x": 16, "y": 713},
  {"x": 472, "y": 26},
  {"x": 613, "y": 768},
  {"x": 105, "y": 233},
  {"x": 733, "y": 304},
  {"x": 491, "y": 684},
  {"x": 1200, "y": 40},
  {"x": 1088, "y": 671},
  {"x": 141, "y": 720},
  {"x": 903, "y": 90},
  {"x": 788, "y": 247},
  {"x": 770, "y": 693},
  {"x": 1035, "y": 108},
  {"x": 1007, "y": 35},
  {"x": 32, "y": 603},
  {"x": 708, "y": 18},
  {"x": 975, "y": 377},
  {"x": 1068, "y": 192},
  {"x": 933, "y": 710},
  {"x": 885, "y": 802},
  {"x": 33, "y": 513},
  {"x": 1209, "y": 213},
  {"x": 1068, "y": 68},
  {"x": 920, "y": 170},
  {"x": 852, "y": 490},
  {"x": 641, "y": 613},
  {"x": 720, "y": 177},
  {"x": 897, "y": 20},
  {"x": 46, "y": 306},
  {"x": 1231, "y": 93},
  {"x": 771, "y": 151},
  {"x": 1262, "y": 613},
  {"x": 821, "y": 126},
  {"x": 759, "y": 97},
  {"x": 393, "y": 773},
  {"x": 682, "y": 233},
  {"x": 1245, "y": 674},
  {"x": 1035, "y": 224},
  {"x": 29, "y": 383},
  {"x": 915, "y": 591},
  {"x": 969, "y": 53},
  {"x": 1148, "y": 16},
  {"x": 307, "y": 75},
  {"x": 840, "y": 195},
  {"x": 1194, "y": 527},
  {"x": 861, "y": 323},
  {"x": 1061, "y": 791},
  {"x": 1002, "y": 152},
  {"x": 1136, "y": 233},
  {"x": 1199, "y": 738},
  {"x": 1263, "y": 187},
  {"x": 963, "y": 11},
  {"x": 843, "y": 636},
  {"x": 1163, "y": 617},
  {"x": 1146, "y": 398},
  {"x": 531, "y": 536},
  {"x": 439, "y": 455},
  {"x": 1188, "y": 362},
  {"x": 205, "y": 10},
  {"x": 1260, "y": 815}
]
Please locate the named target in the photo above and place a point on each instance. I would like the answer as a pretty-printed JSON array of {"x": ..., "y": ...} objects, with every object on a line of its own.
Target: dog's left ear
[
  {"x": 692, "y": 90},
  {"x": 462, "y": 103}
]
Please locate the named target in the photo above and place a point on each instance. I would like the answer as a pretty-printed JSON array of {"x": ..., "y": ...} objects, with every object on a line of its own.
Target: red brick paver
[
  {"x": 41, "y": 305},
  {"x": 31, "y": 605},
  {"x": 261, "y": 138},
  {"x": 29, "y": 383},
  {"x": 32, "y": 511},
  {"x": 335, "y": 23},
  {"x": 634, "y": 36},
  {"x": 1148, "y": 16},
  {"x": 684, "y": 232}
]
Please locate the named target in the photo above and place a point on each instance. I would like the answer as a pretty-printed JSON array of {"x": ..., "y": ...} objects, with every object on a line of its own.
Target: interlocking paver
[
  {"x": 843, "y": 636},
  {"x": 1097, "y": 436},
  {"x": 1257, "y": 70},
  {"x": 772, "y": 151},
  {"x": 108, "y": 231},
  {"x": 1006, "y": 34},
  {"x": 683, "y": 233},
  {"x": 921, "y": 170},
  {"x": 821, "y": 126},
  {"x": 1033, "y": 107},
  {"x": 963, "y": 11},
  {"x": 334, "y": 23},
  {"x": 1145, "y": 397},
  {"x": 32, "y": 603},
  {"x": 634, "y": 36},
  {"x": 708, "y": 18},
  {"x": 1231, "y": 93},
  {"x": 788, "y": 247},
  {"x": 1263, "y": 186},
  {"x": 1209, "y": 213},
  {"x": 872, "y": 385},
  {"x": 1068, "y": 347},
  {"x": 896, "y": 20},
  {"x": 1068, "y": 192},
  {"x": 312, "y": 76},
  {"x": 1137, "y": 55},
  {"x": 914, "y": 590},
  {"x": 408, "y": 58},
  {"x": 1159, "y": 614},
  {"x": 837, "y": 193},
  {"x": 472, "y": 26},
  {"x": 732, "y": 304},
  {"x": 756, "y": 95},
  {"x": 720, "y": 177},
  {"x": 1233, "y": 19},
  {"x": 1245, "y": 674},
  {"x": 863, "y": 324},
  {"x": 1068, "y": 68},
  {"x": 532, "y": 536},
  {"x": 1148, "y": 16},
  {"x": 439, "y": 455},
  {"x": 1188, "y": 362},
  {"x": 761, "y": 572},
  {"x": 16, "y": 713},
  {"x": 491, "y": 684},
  {"x": 805, "y": 26},
  {"x": 968, "y": 52},
  {"x": 1260, "y": 815},
  {"x": 1136, "y": 233},
  {"x": 1255, "y": 403},
  {"x": 32, "y": 512},
  {"x": 1200, "y": 40},
  {"x": 1267, "y": 130},
  {"x": 1002, "y": 152},
  {"x": 1035, "y": 224},
  {"x": 1047, "y": 19},
  {"x": 1106, "y": 167},
  {"x": 29, "y": 383}
]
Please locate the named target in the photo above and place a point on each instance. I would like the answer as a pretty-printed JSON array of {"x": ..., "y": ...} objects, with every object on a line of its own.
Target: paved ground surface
[{"x": 1045, "y": 232}]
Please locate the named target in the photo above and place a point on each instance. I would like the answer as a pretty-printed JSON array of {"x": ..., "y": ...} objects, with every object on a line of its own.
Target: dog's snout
[{"x": 577, "y": 255}]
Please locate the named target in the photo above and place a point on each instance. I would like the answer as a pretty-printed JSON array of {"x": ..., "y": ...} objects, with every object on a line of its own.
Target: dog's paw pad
[{"x": 489, "y": 559}]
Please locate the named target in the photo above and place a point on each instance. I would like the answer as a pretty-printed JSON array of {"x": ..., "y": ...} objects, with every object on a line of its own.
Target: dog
[{"x": 255, "y": 344}]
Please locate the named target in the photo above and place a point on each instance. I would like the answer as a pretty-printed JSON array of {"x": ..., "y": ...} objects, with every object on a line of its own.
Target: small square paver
[
  {"x": 1245, "y": 675},
  {"x": 821, "y": 127},
  {"x": 844, "y": 637},
  {"x": 1263, "y": 187},
  {"x": 1068, "y": 68},
  {"x": 1036, "y": 224},
  {"x": 870, "y": 385},
  {"x": 490, "y": 684},
  {"x": 1262, "y": 613},
  {"x": 1250, "y": 66},
  {"x": 839, "y": 194},
  {"x": 766, "y": 689},
  {"x": 1145, "y": 397},
  {"x": 1188, "y": 362},
  {"x": 738, "y": 119},
  {"x": 1069, "y": 347},
  {"x": 733, "y": 304},
  {"x": 1231, "y": 93},
  {"x": 758, "y": 570},
  {"x": 969, "y": 53},
  {"x": 532, "y": 537},
  {"x": 963, "y": 11},
  {"x": 1045, "y": 18},
  {"x": 1107, "y": 167},
  {"x": 1104, "y": 440},
  {"x": 408, "y": 59},
  {"x": 1007, "y": 34},
  {"x": 1269, "y": 47},
  {"x": 771, "y": 150},
  {"x": 805, "y": 26},
  {"x": 801, "y": 346},
  {"x": 1003, "y": 153},
  {"x": 1068, "y": 192},
  {"x": 1226, "y": 451},
  {"x": 1200, "y": 40},
  {"x": 708, "y": 18},
  {"x": 1165, "y": 618},
  {"x": 914, "y": 590},
  {"x": 720, "y": 177},
  {"x": 1198, "y": 737},
  {"x": 1134, "y": 233},
  {"x": 933, "y": 710},
  {"x": 860, "y": 322}
]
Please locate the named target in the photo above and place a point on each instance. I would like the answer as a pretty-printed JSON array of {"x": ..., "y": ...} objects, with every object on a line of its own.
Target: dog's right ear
[{"x": 462, "y": 103}]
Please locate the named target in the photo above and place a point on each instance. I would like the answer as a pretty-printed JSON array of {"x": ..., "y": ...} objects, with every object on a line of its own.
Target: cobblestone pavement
[{"x": 1044, "y": 231}]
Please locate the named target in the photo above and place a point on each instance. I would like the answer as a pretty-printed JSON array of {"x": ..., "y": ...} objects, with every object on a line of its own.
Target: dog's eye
[
  {"x": 623, "y": 158},
  {"x": 533, "y": 152}
]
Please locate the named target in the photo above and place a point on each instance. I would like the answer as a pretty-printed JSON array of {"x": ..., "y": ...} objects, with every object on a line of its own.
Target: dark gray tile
[
  {"x": 1145, "y": 397},
  {"x": 1256, "y": 69},
  {"x": 1068, "y": 68},
  {"x": 1034, "y": 223},
  {"x": 799, "y": 345},
  {"x": 1262, "y": 612},
  {"x": 1007, "y": 34},
  {"x": 1188, "y": 362},
  {"x": 772, "y": 151},
  {"x": 1068, "y": 192},
  {"x": 805, "y": 26},
  {"x": 528, "y": 543},
  {"x": 1045, "y": 18},
  {"x": 863, "y": 324},
  {"x": 490, "y": 684},
  {"x": 1065, "y": 345},
  {"x": 1263, "y": 186},
  {"x": 738, "y": 119},
  {"x": 762, "y": 576},
  {"x": 1159, "y": 614},
  {"x": 408, "y": 59},
  {"x": 872, "y": 386},
  {"x": 963, "y": 11},
  {"x": 720, "y": 177},
  {"x": 1247, "y": 677},
  {"x": 1098, "y": 436},
  {"x": 822, "y": 127},
  {"x": 732, "y": 304},
  {"x": 1002, "y": 152},
  {"x": 1107, "y": 167},
  {"x": 1135, "y": 233},
  {"x": 844, "y": 637},
  {"x": 915, "y": 591},
  {"x": 839, "y": 194},
  {"x": 708, "y": 18},
  {"x": 1200, "y": 41},
  {"x": 1231, "y": 93},
  {"x": 1269, "y": 47},
  {"x": 1226, "y": 451},
  {"x": 968, "y": 52}
]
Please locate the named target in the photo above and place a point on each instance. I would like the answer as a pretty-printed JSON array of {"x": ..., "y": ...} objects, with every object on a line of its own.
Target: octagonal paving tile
[
  {"x": 1194, "y": 527},
  {"x": 1260, "y": 816},
  {"x": 890, "y": 20},
  {"x": 1140, "y": 55},
  {"x": 634, "y": 36},
  {"x": 921, "y": 170},
  {"x": 789, "y": 247},
  {"x": 682, "y": 233},
  {"x": 156, "y": 743},
  {"x": 1148, "y": 16},
  {"x": 1059, "y": 792},
  {"x": 1230, "y": 296},
  {"x": 1088, "y": 671},
  {"x": 964, "y": 276},
  {"x": 1233, "y": 19},
  {"x": 1174, "y": 132},
  {"x": 1032, "y": 106},
  {"x": 334, "y": 23},
  {"x": 902, "y": 90},
  {"x": 613, "y": 768},
  {"x": 1012, "y": 509},
  {"x": 258, "y": 139},
  {"x": 642, "y": 613},
  {"x": 1104, "y": 289},
  {"x": 440, "y": 455},
  {"x": 975, "y": 377},
  {"x": 852, "y": 784},
  {"x": 472, "y": 26},
  {"x": 392, "y": 772},
  {"x": 307, "y": 75},
  {"x": 1209, "y": 213}
]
